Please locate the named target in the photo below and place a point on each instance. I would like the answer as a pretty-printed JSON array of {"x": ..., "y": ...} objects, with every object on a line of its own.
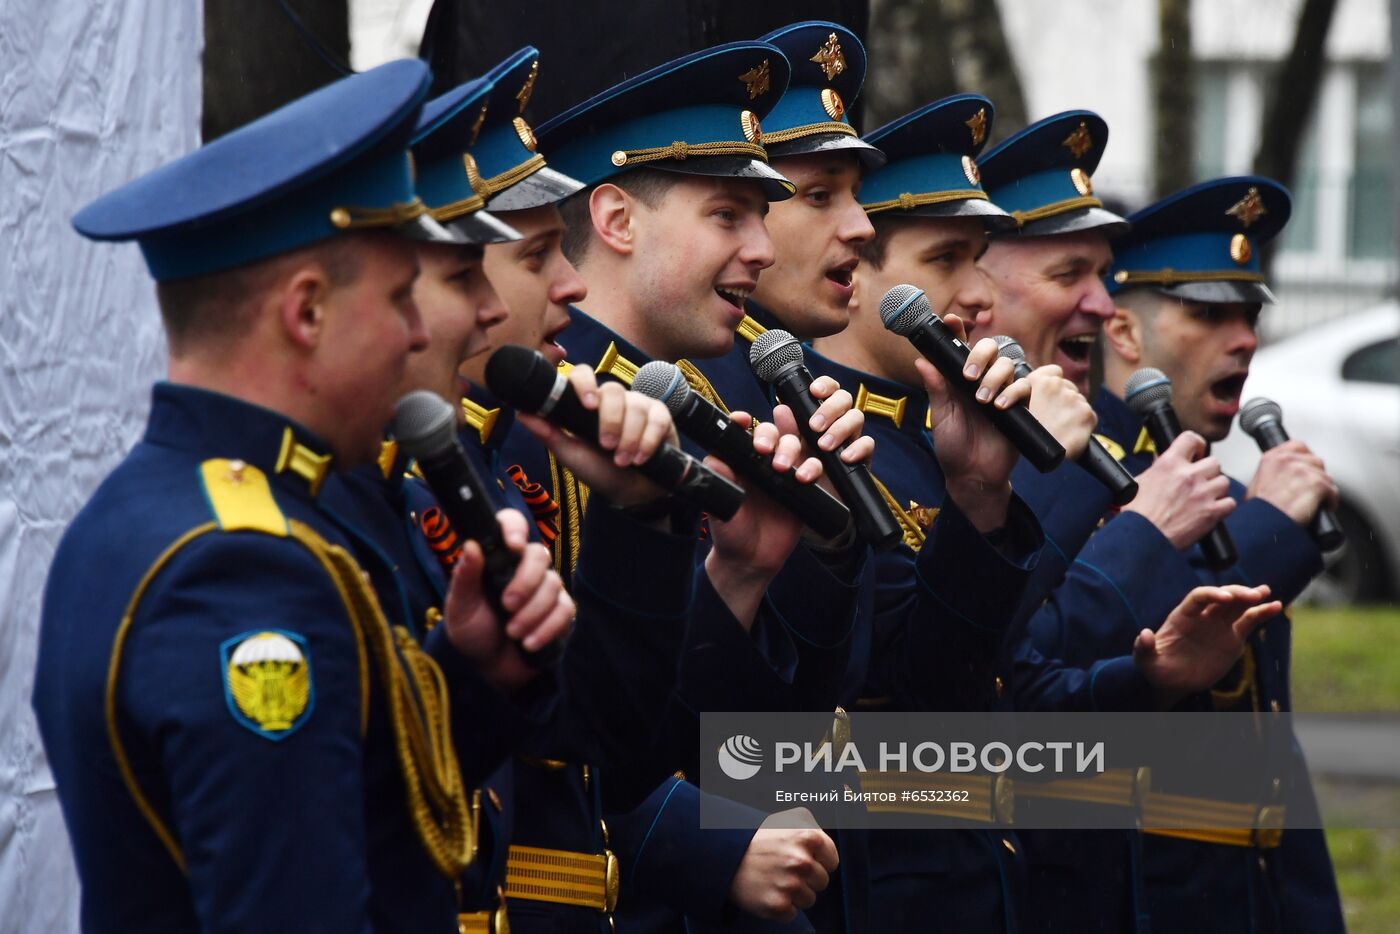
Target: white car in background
[{"x": 1339, "y": 386}]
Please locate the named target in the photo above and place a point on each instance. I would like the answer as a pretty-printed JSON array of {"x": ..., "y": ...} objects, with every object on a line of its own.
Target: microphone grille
[
  {"x": 902, "y": 308},
  {"x": 664, "y": 381},
  {"x": 1256, "y": 412},
  {"x": 773, "y": 352},
  {"x": 1147, "y": 389},
  {"x": 424, "y": 424},
  {"x": 1010, "y": 348}
]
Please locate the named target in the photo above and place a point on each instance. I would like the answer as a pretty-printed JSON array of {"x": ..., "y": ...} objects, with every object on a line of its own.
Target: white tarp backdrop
[{"x": 92, "y": 94}]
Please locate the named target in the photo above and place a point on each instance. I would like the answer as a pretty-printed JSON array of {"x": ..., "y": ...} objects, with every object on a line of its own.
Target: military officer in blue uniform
[
  {"x": 221, "y": 693},
  {"x": 690, "y": 211},
  {"x": 1189, "y": 289}
]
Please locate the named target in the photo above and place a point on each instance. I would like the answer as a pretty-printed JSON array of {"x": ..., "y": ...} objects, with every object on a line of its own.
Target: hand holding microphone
[
  {"x": 1149, "y": 394},
  {"x": 1093, "y": 458},
  {"x": 426, "y": 426},
  {"x": 525, "y": 379},
  {"x": 712, "y": 429},
  {"x": 905, "y": 311},
  {"x": 1262, "y": 420}
]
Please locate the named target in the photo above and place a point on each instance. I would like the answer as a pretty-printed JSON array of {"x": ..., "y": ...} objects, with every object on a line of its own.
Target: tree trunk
[
  {"x": 923, "y": 50},
  {"x": 256, "y": 60},
  {"x": 1174, "y": 93},
  {"x": 1293, "y": 92}
]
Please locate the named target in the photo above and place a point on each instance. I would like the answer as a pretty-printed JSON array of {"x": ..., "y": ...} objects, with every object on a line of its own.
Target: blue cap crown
[
  {"x": 828, "y": 70},
  {"x": 332, "y": 161},
  {"x": 1208, "y": 233},
  {"x": 1044, "y": 173},
  {"x": 932, "y": 157},
  {"x": 680, "y": 116}
]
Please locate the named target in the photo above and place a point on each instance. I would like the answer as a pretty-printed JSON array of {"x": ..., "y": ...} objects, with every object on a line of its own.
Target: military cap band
[{"x": 907, "y": 201}]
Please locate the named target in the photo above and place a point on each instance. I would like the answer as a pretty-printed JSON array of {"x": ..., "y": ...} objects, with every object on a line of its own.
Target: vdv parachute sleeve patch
[{"x": 267, "y": 681}]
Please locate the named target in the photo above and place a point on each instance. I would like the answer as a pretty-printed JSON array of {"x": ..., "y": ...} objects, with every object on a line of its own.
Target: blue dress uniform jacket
[
  {"x": 187, "y": 790},
  {"x": 1128, "y": 576}
]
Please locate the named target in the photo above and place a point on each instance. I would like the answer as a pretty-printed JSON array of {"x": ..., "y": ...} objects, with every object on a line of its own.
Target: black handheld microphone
[
  {"x": 525, "y": 379},
  {"x": 776, "y": 357},
  {"x": 905, "y": 311},
  {"x": 426, "y": 426},
  {"x": 1095, "y": 460},
  {"x": 1149, "y": 394},
  {"x": 1262, "y": 419},
  {"x": 705, "y": 424}
]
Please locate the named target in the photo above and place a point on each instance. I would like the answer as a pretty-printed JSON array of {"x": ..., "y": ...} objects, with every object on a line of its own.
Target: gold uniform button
[
  {"x": 1274, "y": 706},
  {"x": 999, "y": 684},
  {"x": 495, "y": 799},
  {"x": 1010, "y": 848}
]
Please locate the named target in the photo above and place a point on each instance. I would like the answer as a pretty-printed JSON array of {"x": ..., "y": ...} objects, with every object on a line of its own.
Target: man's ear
[
  {"x": 612, "y": 211},
  {"x": 301, "y": 305},
  {"x": 1122, "y": 335}
]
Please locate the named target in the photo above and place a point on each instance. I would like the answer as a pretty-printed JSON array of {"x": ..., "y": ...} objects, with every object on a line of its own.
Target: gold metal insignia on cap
[
  {"x": 1240, "y": 250},
  {"x": 974, "y": 174},
  {"x": 1082, "y": 182},
  {"x": 527, "y": 135},
  {"x": 522, "y": 96},
  {"x": 977, "y": 123},
  {"x": 1079, "y": 142},
  {"x": 753, "y": 130},
  {"x": 619, "y": 157},
  {"x": 476, "y": 127},
  {"x": 756, "y": 79},
  {"x": 829, "y": 56},
  {"x": 473, "y": 174},
  {"x": 832, "y": 104},
  {"x": 1249, "y": 208}
]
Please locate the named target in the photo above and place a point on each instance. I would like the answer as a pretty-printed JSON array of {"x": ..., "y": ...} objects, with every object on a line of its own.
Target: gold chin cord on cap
[
  {"x": 680, "y": 151},
  {"x": 351, "y": 218}
]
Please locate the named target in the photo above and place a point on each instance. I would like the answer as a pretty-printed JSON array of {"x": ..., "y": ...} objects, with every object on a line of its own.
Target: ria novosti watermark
[{"x": 1239, "y": 777}]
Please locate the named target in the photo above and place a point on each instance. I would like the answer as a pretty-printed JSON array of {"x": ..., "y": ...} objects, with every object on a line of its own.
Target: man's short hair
[
  {"x": 219, "y": 307},
  {"x": 649, "y": 186},
  {"x": 876, "y": 249}
]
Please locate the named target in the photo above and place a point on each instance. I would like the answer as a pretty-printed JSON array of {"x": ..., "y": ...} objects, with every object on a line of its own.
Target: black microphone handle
[
  {"x": 462, "y": 497},
  {"x": 1324, "y": 527},
  {"x": 1098, "y": 463},
  {"x": 941, "y": 347},
  {"x": 1163, "y": 427},
  {"x": 707, "y": 426},
  {"x": 669, "y": 467},
  {"x": 875, "y": 524}
]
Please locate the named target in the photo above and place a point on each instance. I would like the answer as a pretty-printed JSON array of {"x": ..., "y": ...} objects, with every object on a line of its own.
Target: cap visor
[
  {"x": 1223, "y": 293},
  {"x": 870, "y": 156},
  {"x": 1078, "y": 221},
  {"x": 480, "y": 227},
  {"x": 775, "y": 186},
  {"x": 539, "y": 188},
  {"x": 993, "y": 218},
  {"x": 427, "y": 230}
]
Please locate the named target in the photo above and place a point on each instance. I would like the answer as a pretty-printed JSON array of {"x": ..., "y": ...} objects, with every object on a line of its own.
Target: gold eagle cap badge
[
  {"x": 756, "y": 79},
  {"x": 1248, "y": 209},
  {"x": 267, "y": 681},
  {"x": 977, "y": 126},
  {"x": 830, "y": 57},
  {"x": 1079, "y": 142}
]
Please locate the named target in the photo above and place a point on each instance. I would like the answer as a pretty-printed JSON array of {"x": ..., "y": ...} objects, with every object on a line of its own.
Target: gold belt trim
[
  {"x": 479, "y": 922},
  {"x": 1236, "y": 823},
  {"x": 1114, "y": 787},
  {"x": 564, "y": 877},
  {"x": 908, "y": 201}
]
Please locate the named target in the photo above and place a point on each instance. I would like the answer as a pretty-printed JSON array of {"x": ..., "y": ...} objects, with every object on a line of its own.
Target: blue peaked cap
[
  {"x": 1202, "y": 243},
  {"x": 932, "y": 169},
  {"x": 828, "y": 70},
  {"x": 1042, "y": 176},
  {"x": 474, "y": 145},
  {"x": 332, "y": 161},
  {"x": 697, "y": 115}
]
